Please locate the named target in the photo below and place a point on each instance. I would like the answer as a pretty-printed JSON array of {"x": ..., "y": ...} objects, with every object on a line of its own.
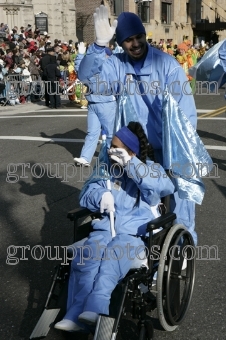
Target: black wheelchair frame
[{"x": 140, "y": 293}]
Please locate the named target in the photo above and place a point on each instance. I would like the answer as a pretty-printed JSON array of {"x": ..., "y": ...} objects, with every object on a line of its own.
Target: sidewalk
[{"x": 37, "y": 106}]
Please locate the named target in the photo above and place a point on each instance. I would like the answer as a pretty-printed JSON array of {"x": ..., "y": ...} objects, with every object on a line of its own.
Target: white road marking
[
  {"x": 42, "y": 116},
  {"x": 204, "y": 111},
  {"x": 42, "y": 139},
  {"x": 212, "y": 118},
  {"x": 215, "y": 147}
]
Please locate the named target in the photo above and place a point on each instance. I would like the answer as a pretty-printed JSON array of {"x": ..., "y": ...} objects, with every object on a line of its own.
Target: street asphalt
[{"x": 34, "y": 212}]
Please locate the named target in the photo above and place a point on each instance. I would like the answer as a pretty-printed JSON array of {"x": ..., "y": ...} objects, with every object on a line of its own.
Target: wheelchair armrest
[
  {"x": 81, "y": 230},
  {"x": 161, "y": 221},
  {"x": 78, "y": 213}
]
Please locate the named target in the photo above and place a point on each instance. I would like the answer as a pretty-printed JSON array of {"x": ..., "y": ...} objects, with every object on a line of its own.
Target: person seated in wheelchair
[{"x": 137, "y": 185}]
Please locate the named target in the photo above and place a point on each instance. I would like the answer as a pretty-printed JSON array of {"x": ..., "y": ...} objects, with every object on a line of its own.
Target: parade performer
[{"x": 140, "y": 66}]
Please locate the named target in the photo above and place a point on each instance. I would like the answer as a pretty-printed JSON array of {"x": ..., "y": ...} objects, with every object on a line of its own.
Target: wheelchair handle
[{"x": 161, "y": 221}]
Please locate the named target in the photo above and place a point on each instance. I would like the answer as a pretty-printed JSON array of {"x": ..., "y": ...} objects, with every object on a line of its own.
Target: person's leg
[
  {"x": 93, "y": 133},
  {"x": 84, "y": 269},
  {"x": 58, "y": 101},
  {"x": 51, "y": 95},
  {"x": 57, "y": 96},
  {"x": 47, "y": 90},
  {"x": 122, "y": 251},
  {"x": 28, "y": 92}
]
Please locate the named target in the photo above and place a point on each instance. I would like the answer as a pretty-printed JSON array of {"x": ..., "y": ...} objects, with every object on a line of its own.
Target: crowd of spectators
[
  {"x": 22, "y": 49},
  {"x": 21, "y": 52}
]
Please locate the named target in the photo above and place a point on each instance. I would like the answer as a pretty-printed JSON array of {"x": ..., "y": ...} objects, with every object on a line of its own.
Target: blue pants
[
  {"x": 91, "y": 283},
  {"x": 100, "y": 115}
]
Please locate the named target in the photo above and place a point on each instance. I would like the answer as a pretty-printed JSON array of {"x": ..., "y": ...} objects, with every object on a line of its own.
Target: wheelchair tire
[{"x": 172, "y": 306}]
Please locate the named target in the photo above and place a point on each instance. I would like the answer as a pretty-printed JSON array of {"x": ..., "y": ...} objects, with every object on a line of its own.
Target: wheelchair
[{"x": 165, "y": 284}]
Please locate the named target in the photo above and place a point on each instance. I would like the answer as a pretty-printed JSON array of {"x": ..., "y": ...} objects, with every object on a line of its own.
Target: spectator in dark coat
[
  {"x": 52, "y": 76},
  {"x": 9, "y": 59},
  {"x": 35, "y": 76},
  {"x": 17, "y": 57},
  {"x": 43, "y": 63}
]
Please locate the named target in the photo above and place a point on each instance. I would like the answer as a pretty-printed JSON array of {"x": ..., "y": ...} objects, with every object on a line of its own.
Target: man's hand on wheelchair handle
[
  {"x": 119, "y": 155},
  {"x": 104, "y": 32},
  {"x": 107, "y": 203}
]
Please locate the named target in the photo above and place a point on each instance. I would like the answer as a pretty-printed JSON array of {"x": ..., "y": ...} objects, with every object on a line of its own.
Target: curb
[{"x": 28, "y": 107}]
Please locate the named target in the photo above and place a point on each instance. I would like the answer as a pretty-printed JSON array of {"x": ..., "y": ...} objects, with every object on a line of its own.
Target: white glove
[
  {"x": 81, "y": 48},
  {"x": 104, "y": 32},
  {"x": 107, "y": 202},
  {"x": 119, "y": 155}
]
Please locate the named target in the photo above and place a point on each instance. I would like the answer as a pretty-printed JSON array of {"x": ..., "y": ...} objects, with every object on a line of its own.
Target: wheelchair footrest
[
  {"x": 43, "y": 326},
  {"x": 104, "y": 328}
]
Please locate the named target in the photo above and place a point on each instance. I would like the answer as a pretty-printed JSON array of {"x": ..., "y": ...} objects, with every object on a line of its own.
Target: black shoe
[{"x": 51, "y": 107}]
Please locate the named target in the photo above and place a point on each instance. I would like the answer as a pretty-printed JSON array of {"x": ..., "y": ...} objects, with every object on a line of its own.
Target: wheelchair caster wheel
[{"x": 146, "y": 331}]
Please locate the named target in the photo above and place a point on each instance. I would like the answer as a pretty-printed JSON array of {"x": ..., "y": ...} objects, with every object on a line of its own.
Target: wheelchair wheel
[
  {"x": 174, "y": 283},
  {"x": 146, "y": 331}
]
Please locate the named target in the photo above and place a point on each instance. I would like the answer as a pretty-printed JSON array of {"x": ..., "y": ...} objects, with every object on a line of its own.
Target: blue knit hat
[
  {"x": 128, "y": 24},
  {"x": 129, "y": 139}
]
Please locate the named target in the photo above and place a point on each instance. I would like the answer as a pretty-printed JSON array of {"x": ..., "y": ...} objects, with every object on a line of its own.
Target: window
[
  {"x": 144, "y": 11},
  {"x": 166, "y": 13},
  {"x": 202, "y": 17},
  {"x": 118, "y": 7},
  {"x": 187, "y": 12}
]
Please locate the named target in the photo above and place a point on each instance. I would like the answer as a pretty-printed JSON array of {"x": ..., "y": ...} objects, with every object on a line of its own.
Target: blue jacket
[
  {"x": 135, "y": 191},
  {"x": 89, "y": 96},
  {"x": 158, "y": 70}
]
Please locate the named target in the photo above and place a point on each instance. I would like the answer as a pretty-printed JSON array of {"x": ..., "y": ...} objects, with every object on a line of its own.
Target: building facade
[
  {"x": 58, "y": 16},
  {"x": 163, "y": 19},
  {"x": 208, "y": 19}
]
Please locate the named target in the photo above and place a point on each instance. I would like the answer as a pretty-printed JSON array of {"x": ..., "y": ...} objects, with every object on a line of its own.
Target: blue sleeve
[
  {"x": 92, "y": 62},
  {"x": 92, "y": 196},
  {"x": 151, "y": 180},
  {"x": 77, "y": 61},
  {"x": 180, "y": 89}
]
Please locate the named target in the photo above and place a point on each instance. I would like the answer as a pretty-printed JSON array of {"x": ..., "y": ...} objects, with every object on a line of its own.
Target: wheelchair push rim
[{"x": 172, "y": 301}]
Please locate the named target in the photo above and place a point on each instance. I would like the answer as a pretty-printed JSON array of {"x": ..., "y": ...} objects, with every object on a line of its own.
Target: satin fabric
[
  {"x": 212, "y": 66},
  {"x": 184, "y": 152},
  {"x": 125, "y": 112}
]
